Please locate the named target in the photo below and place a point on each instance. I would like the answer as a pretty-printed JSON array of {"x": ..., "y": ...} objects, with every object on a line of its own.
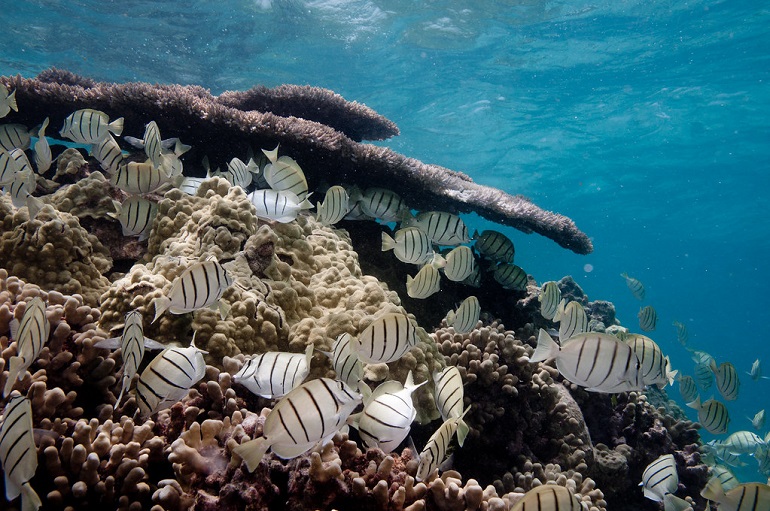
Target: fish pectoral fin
[
  {"x": 252, "y": 452},
  {"x": 112, "y": 343},
  {"x": 224, "y": 309}
]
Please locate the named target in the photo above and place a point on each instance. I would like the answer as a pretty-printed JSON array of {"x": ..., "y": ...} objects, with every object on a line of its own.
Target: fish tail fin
[
  {"x": 713, "y": 490},
  {"x": 671, "y": 376},
  {"x": 180, "y": 148},
  {"x": 116, "y": 126},
  {"x": 12, "y": 101},
  {"x": 462, "y": 431},
  {"x": 30, "y": 500},
  {"x": 695, "y": 404},
  {"x": 309, "y": 353},
  {"x": 224, "y": 309},
  {"x": 409, "y": 383},
  {"x": 546, "y": 348},
  {"x": 161, "y": 305},
  {"x": 252, "y": 452},
  {"x": 388, "y": 243},
  {"x": 306, "y": 204},
  {"x": 14, "y": 374},
  {"x": 673, "y": 503},
  {"x": 124, "y": 386}
]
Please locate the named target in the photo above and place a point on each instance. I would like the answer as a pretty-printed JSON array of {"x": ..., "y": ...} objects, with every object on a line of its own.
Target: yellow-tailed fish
[
  {"x": 636, "y": 287},
  {"x": 442, "y": 228},
  {"x": 465, "y": 318},
  {"x": 725, "y": 476},
  {"x": 388, "y": 414},
  {"x": 510, "y": 276},
  {"x": 548, "y": 497},
  {"x": 550, "y": 296},
  {"x": 335, "y": 206},
  {"x": 495, "y": 246},
  {"x": 712, "y": 415},
  {"x": 386, "y": 339},
  {"x": 656, "y": 369},
  {"x": 278, "y": 205},
  {"x": 744, "y": 497},
  {"x": 648, "y": 318},
  {"x": 42, "y": 150},
  {"x": 437, "y": 447},
  {"x": 460, "y": 264},
  {"x": 108, "y": 153},
  {"x": 728, "y": 383},
  {"x": 199, "y": 286},
  {"x": 23, "y": 184},
  {"x": 136, "y": 215},
  {"x": 426, "y": 283},
  {"x": 139, "y": 177},
  {"x": 313, "y": 412},
  {"x": 703, "y": 376},
  {"x": 18, "y": 454},
  {"x": 660, "y": 478},
  {"x": 88, "y": 126},
  {"x": 681, "y": 333},
  {"x": 410, "y": 245},
  {"x": 382, "y": 204},
  {"x": 14, "y": 136},
  {"x": 30, "y": 334},
  {"x": 688, "y": 389},
  {"x": 7, "y": 101},
  {"x": 758, "y": 422},
  {"x": 448, "y": 392},
  {"x": 286, "y": 174},
  {"x": 600, "y": 362},
  {"x": 345, "y": 361},
  {"x": 275, "y": 374},
  {"x": 572, "y": 321}
]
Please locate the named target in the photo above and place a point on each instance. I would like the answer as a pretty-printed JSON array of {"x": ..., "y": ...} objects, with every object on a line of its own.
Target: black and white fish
[
  {"x": 465, "y": 318},
  {"x": 239, "y": 173},
  {"x": 681, "y": 333},
  {"x": 7, "y": 101},
  {"x": 656, "y": 369},
  {"x": 636, "y": 287},
  {"x": 7, "y": 168},
  {"x": 549, "y": 298},
  {"x": 136, "y": 215},
  {"x": 549, "y": 497},
  {"x": 88, "y": 126},
  {"x": 20, "y": 161},
  {"x": 278, "y": 205},
  {"x": 30, "y": 334},
  {"x": 495, "y": 246},
  {"x": 386, "y": 339},
  {"x": 572, "y": 320},
  {"x": 712, "y": 415},
  {"x": 190, "y": 185},
  {"x": 460, "y": 264},
  {"x": 275, "y": 374},
  {"x": 151, "y": 140},
  {"x": 688, "y": 389},
  {"x": 18, "y": 454},
  {"x": 744, "y": 497},
  {"x": 510, "y": 276},
  {"x": 703, "y": 376},
  {"x": 727, "y": 379},
  {"x": 758, "y": 422},
  {"x": 335, "y": 206},
  {"x": 600, "y": 362},
  {"x": 648, "y": 318},
  {"x": 725, "y": 476},
  {"x": 42, "y": 150},
  {"x": 14, "y": 136},
  {"x": 448, "y": 392},
  {"x": 436, "y": 449},
  {"x": 410, "y": 245},
  {"x": 344, "y": 361},
  {"x": 382, "y": 204},
  {"x": 140, "y": 177},
  {"x": 22, "y": 186},
  {"x": 441, "y": 227},
  {"x": 743, "y": 442},
  {"x": 286, "y": 175},
  {"x": 313, "y": 412},
  {"x": 660, "y": 478},
  {"x": 199, "y": 286},
  {"x": 426, "y": 283},
  {"x": 108, "y": 153}
]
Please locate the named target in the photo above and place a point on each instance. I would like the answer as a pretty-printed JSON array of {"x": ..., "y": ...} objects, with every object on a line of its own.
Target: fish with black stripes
[
  {"x": 168, "y": 378},
  {"x": 660, "y": 478},
  {"x": 742, "y": 442},
  {"x": 427, "y": 282},
  {"x": 549, "y": 497},
  {"x": 14, "y": 136},
  {"x": 636, "y": 287},
  {"x": 687, "y": 388},
  {"x": 712, "y": 415},
  {"x": 465, "y": 318},
  {"x": 386, "y": 339},
  {"x": 7, "y": 101},
  {"x": 409, "y": 245},
  {"x": 335, "y": 206},
  {"x": 140, "y": 177},
  {"x": 132, "y": 344},
  {"x": 727, "y": 381},
  {"x": 199, "y": 286},
  {"x": 275, "y": 373},
  {"x": 7, "y": 168},
  {"x": 30, "y": 334},
  {"x": 135, "y": 215},
  {"x": 460, "y": 264},
  {"x": 151, "y": 142},
  {"x": 448, "y": 392},
  {"x": 20, "y": 161},
  {"x": 758, "y": 421},
  {"x": 381, "y": 204},
  {"x": 744, "y": 497},
  {"x": 704, "y": 376},
  {"x": 190, "y": 185},
  {"x": 239, "y": 173},
  {"x": 345, "y": 361},
  {"x": 22, "y": 186},
  {"x": 310, "y": 414},
  {"x": 436, "y": 449},
  {"x": 648, "y": 318},
  {"x": 495, "y": 246},
  {"x": 18, "y": 454},
  {"x": 42, "y": 150},
  {"x": 725, "y": 476},
  {"x": 549, "y": 298},
  {"x": 108, "y": 153},
  {"x": 572, "y": 320},
  {"x": 442, "y": 228},
  {"x": 281, "y": 206},
  {"x": 510, "y": 276},
  {"x": 600, "y": 362},
  {"x": 681, "y": 333},
  {"x": 88, "y": 126},
  {"x": 285, "y": 174},
  {"x": 656, "y": 368}
]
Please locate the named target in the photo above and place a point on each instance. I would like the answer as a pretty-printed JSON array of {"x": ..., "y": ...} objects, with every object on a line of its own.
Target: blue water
[{"x": 644, "y": 121}]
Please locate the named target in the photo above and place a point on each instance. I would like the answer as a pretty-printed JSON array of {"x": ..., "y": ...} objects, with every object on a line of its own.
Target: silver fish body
[
  {"x": 510, "y": 276},
  {"x": 152, "y": 144},
  {"x": 88, "y": 126},
  {"x": 335, "y": 206},
  {"x": 495, "y": 246},
  {"x": 548, "y": 497},
  {"x": 382, "y": 204},
  {"x": 681, "y": 333},
  {"x": 345, "y": 362},
  {"x": 136, "y": 215},
  {"x": 448, "y": 392},
  {"x": 386, "y": 339},
  {"x": 744, "y": 497},
  {"x": 758, "y": 422},
  {"x": 550, "y": 296},
  {"x": 660, "y": 478},
  {"x": 465, "y": 318},
  {"x": 199, "y": 286},
  {"x": 30, "y": 334},
  {"x": 727, "y": 379},
  {"x": 274, "y": 374},
  {"x": 278, "y": 205},
  {"x": 654, "y": 366},
  {"x": 743, "y": 442},
  {"x": 14, "y": 136},
  {"x": 426, "y": 283},
  {"x": 442, "y": 228},
  {"x": 572, "y": 321},
  {"x": 108, "y": 153},
  {"x": 42, "y": 150},
  {"x": 703, "y": 376},
  {"x": 190, "y": 185},
  {"x": 725, "y": 476},
  {"x": 7, "y": 101},
  {"x": 436, "y": 449},
  {"x": 410, "y": 245},
  {"x": 18, "y": 454},
  {"x": 688, "y": 389},
  {"x": 168, "y": 378},
  {"x": 636, "y": 287},
  {"x": 648, "y": 318},
  {"x": 460, "y": 264},
  {"x": 712, "y": 415},
  {"x": 286, "y": 175}
]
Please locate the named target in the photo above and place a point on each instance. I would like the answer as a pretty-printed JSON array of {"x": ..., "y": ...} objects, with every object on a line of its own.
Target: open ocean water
[{"x": 647, "y": 122}]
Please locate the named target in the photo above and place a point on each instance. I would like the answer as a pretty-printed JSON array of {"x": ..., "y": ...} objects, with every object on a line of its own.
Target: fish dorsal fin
[
  {"x": 387, "y": 387},
  {"x": 410, "y": 385},
  {"x": 14, "y": 325},
  {"x": 309, "y": 353},
  {"x": 112, "y": 343}
]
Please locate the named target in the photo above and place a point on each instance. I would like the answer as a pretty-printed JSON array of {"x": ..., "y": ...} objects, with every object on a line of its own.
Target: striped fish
[
  {"x": 688, "y": 389},
  {"x": 30, "y": 334},
  {"x": 681, "y": 333},
  {"x": 386, "y": 339},
  {"x": 656, "y": 369},
  {"x": 763, "y": 460},
  {"x": 550, "y": 296},
  {"x": 714, "y": 452},
  {"x": 600, "y": 362},
  {"x": 495, "y": 246},
  {"x": 474, "y": 279},
  {"x": 278, "y": 206},
  {"x": 441, "y": 227},
  {"x": 572, "y": 320},
  {"x": 712, "y": 415},
  {"x": 436, "y": 449},
  {"x": 139, "y": 177},
  {"x": 335, "y": 206},
  {"x": 23, "y": 184},
  {"x": 382, "y": 204},
  {"x": 548, "y": 497},
  {"x": 725, "y": 476},
  {"x": 345, "y": 361},
  {"x": 168, "y": 378},
  {"x": 108, "y": 153},
  {"x": 20, "y": 160},
  {"x": 190, "y": 185},
  {"x": 7, "y": 101},
  {"x": 426, "y": 283},
  {"x": 271, "y": 155},
  {"x": 136, "y": 215},
  {"x": 388, "y": 414},
  {"x": 151, "y": 141},
  {"x": 648, "y": 318},
  {"x": 465, "y": 318},
  {"x": 448, "y": 392},
  {"x": 660, "y": 478},
  {"x": 510, "y": 276},
  {"x": 410, "y": 245},
  {"x": 201, "y": 285},
  {"x": 460, "y": 264},
  {"x": 758, "y": 422},
  {"x": 14, "y": 136},
  {"x": 132, "y": 345},
  {"x": 7, "y": 168},
  {"x": 239, "y": 173},
  {"x": 744, "y": 497},
  {"x": 742, "y": 442},
  {"x": 636, "y": 287},
  {"x": 286, "y": 174},
  {"x": 42, "y": 150},
  {"x": 88, "y": 126},
  {"x": 756, "y": 367},
  {"x": 18, "y": 454},
  {"x": 727, "y": 380},
  {"x": 703, "y": 376},
  {"x": 275, "y": 374},
  {"x": 312, "y": 413},
  {"x": 700, "y": 357}
]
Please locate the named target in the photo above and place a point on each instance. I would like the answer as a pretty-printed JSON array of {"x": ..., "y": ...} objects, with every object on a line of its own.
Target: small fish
[
  {"x": 312, "y": 413},
  {"x": 441, "y": 227},
  {"x": 20, "y": 161},
  {"x": 703, "y": 376},
  {"x": 660, "y": 478},
  {"x": 132, "y": 345},
  {"x": 382, "y": 204},
  {"x": 448, "y": 392},
  {"x": 275, "y": 374},
  {"x": 139, "y": 177},
  {"x": 278, "y": 206},
  {"x": 426, "y": 283},
  {"x": 725, "y": 476},
  {"x": 7, "y": 101},
  {"x": 714, "y": 451},
  {"x": 23, "y": 184},
  {"x": 465, "y": 318},
  {"x": 168, "y": 378},
  {"x": 42, "y": 150},
  {"x": 712, "y": 415},
  {"x": 549, "y": 497},
  {"x": 136, "y": 215},
  {"x": 18, "y": 454},
  {"x": 756, "y": 369},
  {"x": 388, "y": 414},
  {"x": 436, "y": 449},
  {"x": 648, "y": 318},
  {"x": 239, "y": 173},
  {"x": 30, "y": 334},
  {"x": 460, "y": 264},
  {"x": 286, "y": 175},
  {"x": 151, "y": 142},
  {"x": 410, "y": 245},
  {"x": 656, "y": 369},
  {"x": 742, "y": 442},
  {"x": 474, "y": 279},
  {"x": 744, "y": 497},
  {"x": 7, "y": 168},
  {"x": 700, "y": 357},
  {"x": 335, "y": 206},
  {"x": 201, "y": 285},
  {"x": 763, "y": 460},
  {"x": 550, "y": 296},
  {"x": 510, "y": 276},
  {"x": 728, "y": 383},
  {"x": 636, "y": 287},
  {"x": 681, "y": 333},
  {"x": 108, "y": 153},
  {"x": 759, "y": 420},
  {"x": 345, "y": 361},
  {"x": 495, "y": 246},
  {"x": 572, "y": 320},
  {"x": 386, "y": 339},
  {"x": 190, "y": 185},
  {"x": 688, "y": 389},
  {"x": 88, "y": 126},
  {"x": 598, "y": 361},
  {"x": 14, "y": 136}
]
